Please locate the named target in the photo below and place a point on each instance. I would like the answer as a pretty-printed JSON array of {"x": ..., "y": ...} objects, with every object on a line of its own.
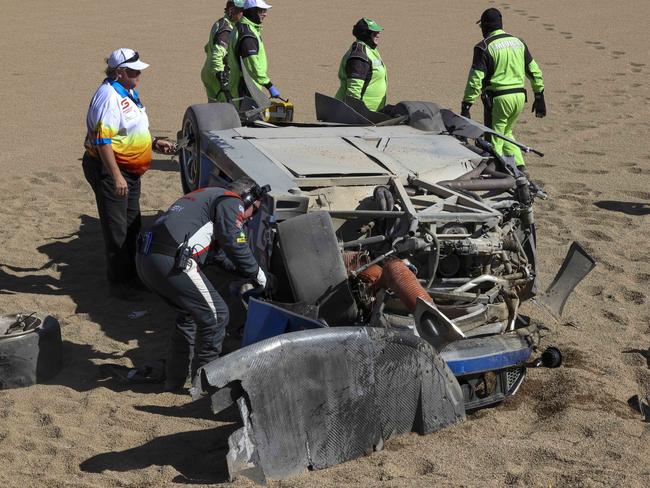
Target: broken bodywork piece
[{"x": 316, "y": 398}]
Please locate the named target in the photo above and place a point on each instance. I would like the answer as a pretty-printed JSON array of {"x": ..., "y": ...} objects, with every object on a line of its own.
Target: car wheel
[
  {"x": 197, "y": 120},
  {"x": 30, "y": 349}
]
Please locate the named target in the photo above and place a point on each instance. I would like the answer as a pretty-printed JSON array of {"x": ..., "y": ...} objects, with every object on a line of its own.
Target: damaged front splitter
[{"x": 316, "y": 398}]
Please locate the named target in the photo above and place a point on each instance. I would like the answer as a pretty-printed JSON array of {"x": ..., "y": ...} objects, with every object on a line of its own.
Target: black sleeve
[
  {"x": 222, "y": 37},
  {"x": 218, "y": 256},
  {"x": 527, "y": 57},
  {"x": 479, "y": 61},
  {"x": 231, "y": 236},
  {"x": 357, "y": 68},
  {"x": 248, "y": 46}
]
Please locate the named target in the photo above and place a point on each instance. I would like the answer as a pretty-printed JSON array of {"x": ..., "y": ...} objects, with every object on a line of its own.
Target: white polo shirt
[{"x": 116, "y": 116}]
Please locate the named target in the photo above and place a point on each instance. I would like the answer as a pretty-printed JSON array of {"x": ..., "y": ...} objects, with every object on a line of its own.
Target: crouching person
[{"x": 169, "y": 260}]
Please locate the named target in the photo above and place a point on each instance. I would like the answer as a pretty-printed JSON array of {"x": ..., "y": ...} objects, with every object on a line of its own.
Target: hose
[{"x": 399, "y": 278}]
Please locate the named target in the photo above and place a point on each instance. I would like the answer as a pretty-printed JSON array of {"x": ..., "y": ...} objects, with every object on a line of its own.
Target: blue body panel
[
  {"x": 469, "y": 356},
  {"x": 265, "y": 320}
]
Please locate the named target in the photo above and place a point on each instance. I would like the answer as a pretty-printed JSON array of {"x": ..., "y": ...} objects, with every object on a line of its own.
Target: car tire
[
  {"x": 198, "y": 119},
  {"x": 29, "y": 356}
]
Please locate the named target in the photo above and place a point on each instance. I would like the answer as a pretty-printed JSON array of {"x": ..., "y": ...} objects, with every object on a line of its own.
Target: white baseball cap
[
  {"x": 126, "y": 58},
  {"x": 256, "y": 3}
]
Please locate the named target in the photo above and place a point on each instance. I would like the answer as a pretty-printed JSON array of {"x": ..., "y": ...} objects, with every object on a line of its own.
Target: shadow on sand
[
  {"x": 79, "y": 260},
  {"x": 198, "y": 455},
  {"x": 629, "y": 208}
]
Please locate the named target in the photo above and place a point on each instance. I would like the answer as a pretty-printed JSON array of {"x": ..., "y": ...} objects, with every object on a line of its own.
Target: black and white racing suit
[{"x": 210, "y": 219}]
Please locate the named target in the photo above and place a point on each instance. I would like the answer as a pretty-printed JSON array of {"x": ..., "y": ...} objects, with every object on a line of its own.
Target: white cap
[
  {"x": 256, "y": 3},
  {"x": 126, "y": 58}
]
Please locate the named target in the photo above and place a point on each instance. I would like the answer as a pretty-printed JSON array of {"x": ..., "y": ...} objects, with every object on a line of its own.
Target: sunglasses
[{"x": 133, "y": 58}]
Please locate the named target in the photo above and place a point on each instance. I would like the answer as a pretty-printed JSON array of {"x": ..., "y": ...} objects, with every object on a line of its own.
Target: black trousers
[
  {"x": 119, "y": 218},
  {"x": 202, "y": 315}
]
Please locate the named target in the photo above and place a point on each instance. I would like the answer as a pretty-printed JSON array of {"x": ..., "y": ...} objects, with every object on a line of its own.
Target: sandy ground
[{"x": 567, "y": 427}]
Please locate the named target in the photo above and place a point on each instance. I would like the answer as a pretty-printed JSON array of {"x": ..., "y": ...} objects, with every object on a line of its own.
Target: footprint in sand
[
  {"x": 612, "y": 317},
  {"x": 642, "y": 278},
  {"x": 635, "y": 170},
  {"x": 545, "y": 165},
  {"x": 618, "y": 53},
  {"x": 634, "y": 296},
  {"x": 591, "y": 172},
  {"x": 592, "y": 153},
  {"x": 637, "y": 65},
  {"x": 597, "y": 235}
]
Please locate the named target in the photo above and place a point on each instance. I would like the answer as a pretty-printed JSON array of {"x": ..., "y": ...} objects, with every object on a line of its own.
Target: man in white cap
[
  {"x": 118, "y": 152},
  {"x": 246, "y": 48}
]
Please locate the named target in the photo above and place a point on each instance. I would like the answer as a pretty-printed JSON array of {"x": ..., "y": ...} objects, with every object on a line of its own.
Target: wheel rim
[{"x": 191, "y": 155}]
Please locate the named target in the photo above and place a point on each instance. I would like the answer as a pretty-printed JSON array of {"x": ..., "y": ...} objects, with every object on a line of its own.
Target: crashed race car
[{"x": 404, "y": 247}]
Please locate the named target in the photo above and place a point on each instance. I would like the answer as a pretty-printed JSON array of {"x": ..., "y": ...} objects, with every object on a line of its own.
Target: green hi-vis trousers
[
  {"x": 502, "y": 117},
  {"x": 212, "y": 86}
]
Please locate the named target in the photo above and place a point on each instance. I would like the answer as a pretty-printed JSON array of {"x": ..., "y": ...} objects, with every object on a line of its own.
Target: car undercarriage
[{"x": 404, "y": 246}]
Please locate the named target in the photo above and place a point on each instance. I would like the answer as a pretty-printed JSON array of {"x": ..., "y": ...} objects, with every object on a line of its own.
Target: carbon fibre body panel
[{"x": 316, "y": 398}]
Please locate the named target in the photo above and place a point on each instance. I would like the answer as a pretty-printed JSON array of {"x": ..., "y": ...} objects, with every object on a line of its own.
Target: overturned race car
[{"x": 404, "y": 247}]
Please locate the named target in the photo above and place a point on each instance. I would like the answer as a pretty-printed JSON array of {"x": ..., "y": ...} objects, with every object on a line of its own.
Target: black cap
[{"x": 490, "y": 16}]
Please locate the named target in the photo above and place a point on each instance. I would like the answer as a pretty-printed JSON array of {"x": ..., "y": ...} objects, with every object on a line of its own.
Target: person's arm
[
  {"x": 476, "y": 76},
  {"x": 105, "y": 119},
  {"x": 231, "y": 238},
  {"x": 254, "y": 63},
  {"x": 219, "y": 51},
  {"x": 533, "y": 72},
  {"x": 107, "y": 156},
  {"x": 356, "y": 70}
]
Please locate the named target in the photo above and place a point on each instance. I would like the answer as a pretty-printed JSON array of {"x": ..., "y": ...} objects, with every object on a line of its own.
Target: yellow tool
[{"x": 280, "y": 110}]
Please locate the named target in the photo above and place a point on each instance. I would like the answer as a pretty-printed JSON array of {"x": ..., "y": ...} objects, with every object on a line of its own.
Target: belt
[
  {"x": 145, "y": 246},
  {"x": 163, "y": 249},
  {"x": 508, "y": 91}
]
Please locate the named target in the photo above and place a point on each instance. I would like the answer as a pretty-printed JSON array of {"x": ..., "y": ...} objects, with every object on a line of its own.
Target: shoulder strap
[{"x": 358, "y": 50}]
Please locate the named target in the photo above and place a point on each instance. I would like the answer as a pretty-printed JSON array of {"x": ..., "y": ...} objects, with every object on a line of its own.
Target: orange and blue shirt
[{"x": 117, "y": 117}]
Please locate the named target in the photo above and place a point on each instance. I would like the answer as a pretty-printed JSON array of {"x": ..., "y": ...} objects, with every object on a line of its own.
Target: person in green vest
[
  {"x": 362, "y": 72},
  {"x": 247, "y": 48},
  {"x": 214, "y": 73},
  {"x": 500, "y": 66}
]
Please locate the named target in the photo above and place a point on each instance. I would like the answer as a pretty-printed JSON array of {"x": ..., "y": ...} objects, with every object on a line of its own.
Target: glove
[
  {"x": 267, "y": 282},
  {"x": 464, "y": 109},
  {"x": 275, "y": 93},
  {"x": 539, "y": 105},
  {"x": 222, "y": 76},
  {"x": 271, "y": 284}
]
